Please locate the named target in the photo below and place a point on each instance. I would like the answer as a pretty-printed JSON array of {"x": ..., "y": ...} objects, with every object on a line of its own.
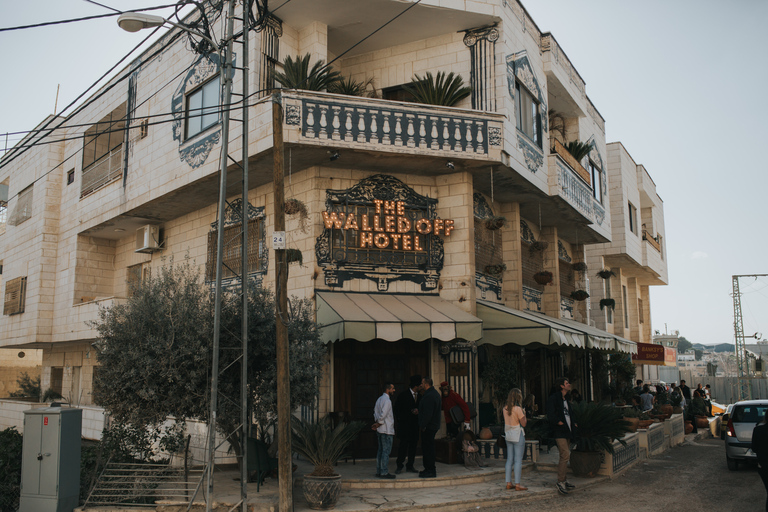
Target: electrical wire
[{"x": 85, "y": 18}]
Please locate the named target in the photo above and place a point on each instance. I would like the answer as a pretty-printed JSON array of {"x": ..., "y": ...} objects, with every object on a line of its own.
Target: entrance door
[{"x": 360, "y": 371}]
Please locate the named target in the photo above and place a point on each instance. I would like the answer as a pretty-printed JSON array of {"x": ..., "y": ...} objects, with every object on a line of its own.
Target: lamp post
[{"x": 133, "y": 22}]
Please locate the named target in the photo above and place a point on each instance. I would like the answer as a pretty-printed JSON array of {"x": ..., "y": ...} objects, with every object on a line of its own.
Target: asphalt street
[{"x": 690, "y": 478}]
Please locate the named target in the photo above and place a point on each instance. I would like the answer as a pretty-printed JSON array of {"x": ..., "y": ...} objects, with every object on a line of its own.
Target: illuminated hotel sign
[{"x": 388, "y": 227}]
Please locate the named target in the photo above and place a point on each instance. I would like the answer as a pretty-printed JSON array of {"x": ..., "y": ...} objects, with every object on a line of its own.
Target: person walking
[
  {"x": 760, "y": 447},
  {"x": 385, "y": 419},
  {"x": 430, "y": 406},
  {"x": 514, "y": 421},
  {"x": 686, "y": 391},
  {"x": 563, "y": 424},
  {"x": 407, "y": 425}
]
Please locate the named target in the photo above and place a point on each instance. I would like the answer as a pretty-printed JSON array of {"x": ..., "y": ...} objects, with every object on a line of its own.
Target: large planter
[
  {"x": 322, "y": 492},
  {"x": 677, "y": 409},
  {"x": 485, "y": 433},
  {"x": 688, "y": 427},
  {"x": 585, "y": 464},
  {"x": 634, "y": 423},
  {"x": 543, "y": 277},
  {"x": 645, "y": 424},
  {"x": 702, "y": 422},
  {"x": 666, "y": 409}
]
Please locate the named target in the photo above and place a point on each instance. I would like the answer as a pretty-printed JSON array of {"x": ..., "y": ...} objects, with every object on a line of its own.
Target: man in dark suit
[
  {"x": 563, "y": 424},
  {"x": 407, "y": 424},
  {"x": 430, "y": 409}
]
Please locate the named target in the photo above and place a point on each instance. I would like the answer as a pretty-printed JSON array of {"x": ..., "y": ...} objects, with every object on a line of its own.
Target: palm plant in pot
[
  {"x": 323, "y": 445},
  {"x": 598, "y": 425}
]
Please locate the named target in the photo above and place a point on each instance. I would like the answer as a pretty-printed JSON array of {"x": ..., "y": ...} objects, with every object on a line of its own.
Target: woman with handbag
[{"x": 514, "y": 421}]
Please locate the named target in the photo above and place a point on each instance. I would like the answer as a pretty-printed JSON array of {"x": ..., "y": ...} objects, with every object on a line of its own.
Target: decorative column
[
  {"x": 482, "y": 46},
  {"x": 512, "y": 285},
  {"x": 550, "y": 302}
]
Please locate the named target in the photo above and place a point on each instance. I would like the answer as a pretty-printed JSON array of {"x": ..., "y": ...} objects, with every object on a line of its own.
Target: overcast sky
[{"x": 682, "y": 84}]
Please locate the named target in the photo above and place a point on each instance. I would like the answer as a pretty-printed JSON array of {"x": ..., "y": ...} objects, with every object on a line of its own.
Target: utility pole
[
  {"x": 284, "y": 470},
  {"x": 742, "y": 362}
]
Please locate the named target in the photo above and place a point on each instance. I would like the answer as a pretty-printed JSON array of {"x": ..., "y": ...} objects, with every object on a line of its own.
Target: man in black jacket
[
  {"x": 407, "y": 424},
  {"x": 563, "y": 424},
  {"x": 760, "y": 447},
  {"x": 430, "y": 409}
]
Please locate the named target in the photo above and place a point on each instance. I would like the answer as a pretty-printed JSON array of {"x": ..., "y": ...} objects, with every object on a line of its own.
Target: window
[
  {"x": 3, "y": 216},
  {"x": 397, "y": 93},
  {"x": 15, "y": 296},
  {"x": 609, "y": 316},
  {"x": 203, "y": 107},
  {"x": 625, "y": 304},
  {"x": 528, "y": 114},
  {"x": 135, "y": 276},
  {"x": 487, "y": 247},
  {"x": 70, "y": 176},
  {"x": 57, "y": 380},
  {"x": 640, "y": 311},
  {"x": 632, "y": 218},
  {"x": 597, "y": 182},
  {"x": 233, "y": 242},
  {"x": 270, "y": 52},
  {"x": 23, "y": 209},
  {"x": 103, "y": 151}
]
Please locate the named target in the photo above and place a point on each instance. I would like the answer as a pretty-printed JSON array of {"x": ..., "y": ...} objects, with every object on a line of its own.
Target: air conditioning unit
[{"x": 148, "y": 239}]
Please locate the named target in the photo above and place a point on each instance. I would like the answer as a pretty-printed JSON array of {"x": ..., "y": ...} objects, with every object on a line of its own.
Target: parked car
[
  {"x": 738, "y": 437},
  {"x": 724, "y": 420}
]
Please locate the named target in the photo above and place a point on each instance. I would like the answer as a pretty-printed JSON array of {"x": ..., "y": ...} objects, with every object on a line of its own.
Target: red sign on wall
[{"x": 45, "y": 420}]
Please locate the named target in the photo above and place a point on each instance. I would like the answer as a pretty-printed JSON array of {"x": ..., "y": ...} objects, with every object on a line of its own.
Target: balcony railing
[
  {"x": 103, "y": 171},
  {"x": 651, "y": 240},
  {"x": 393, "y": 126},
  {"x": 573, "y": 189}
]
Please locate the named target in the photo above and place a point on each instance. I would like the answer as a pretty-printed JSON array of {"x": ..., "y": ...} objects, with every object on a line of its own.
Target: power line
[{"x": 85, "y": 18}]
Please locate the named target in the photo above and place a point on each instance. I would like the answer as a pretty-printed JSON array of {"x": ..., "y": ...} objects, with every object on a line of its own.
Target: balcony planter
[
  {"x": 495, "y": 270},
  {"x": 606, "y": 273},
  {"x": 579, "y": 295},
  {"x": 543, "y": 277},
  {"x": 495, "y": 222},
  {"x": 539, "y": 246},
  {"x": 607, "y": 303},
  {"x": 580, "y": 267}
]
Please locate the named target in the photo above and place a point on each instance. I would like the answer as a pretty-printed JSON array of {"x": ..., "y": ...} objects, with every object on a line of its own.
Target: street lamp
[{"x": 135, "y": 21}]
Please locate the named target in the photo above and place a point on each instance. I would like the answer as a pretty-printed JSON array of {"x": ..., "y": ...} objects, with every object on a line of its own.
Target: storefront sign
[
  {"x": 388, "y": 227},
  {"x": 658, "y": 355}
]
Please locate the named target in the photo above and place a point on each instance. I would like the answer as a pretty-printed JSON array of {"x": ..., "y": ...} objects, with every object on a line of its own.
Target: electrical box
[
  {"x": 50, "y": 463},
  {"x": 148, "y": 239}
]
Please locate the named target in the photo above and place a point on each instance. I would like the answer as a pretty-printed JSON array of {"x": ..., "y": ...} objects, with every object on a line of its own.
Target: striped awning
[
  {"x": 392, "y": 317},
  {"x": 502, "y": 325}
]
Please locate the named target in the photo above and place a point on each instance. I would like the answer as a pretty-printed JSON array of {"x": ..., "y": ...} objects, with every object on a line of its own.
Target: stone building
[{"x": 408, "y": 271}]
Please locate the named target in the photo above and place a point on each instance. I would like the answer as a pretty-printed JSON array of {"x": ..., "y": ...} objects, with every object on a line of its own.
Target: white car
[{"x": 745, "y": 416}]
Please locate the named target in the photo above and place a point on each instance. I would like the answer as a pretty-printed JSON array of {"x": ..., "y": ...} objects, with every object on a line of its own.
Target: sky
[{"x": 680, "y": 83}]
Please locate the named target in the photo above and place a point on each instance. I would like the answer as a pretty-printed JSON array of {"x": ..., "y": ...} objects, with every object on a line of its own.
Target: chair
[{"x": 259, "y": 461}]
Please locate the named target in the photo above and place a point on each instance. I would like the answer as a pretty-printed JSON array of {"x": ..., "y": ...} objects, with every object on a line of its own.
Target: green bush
[{"x": 10, "y": 469}]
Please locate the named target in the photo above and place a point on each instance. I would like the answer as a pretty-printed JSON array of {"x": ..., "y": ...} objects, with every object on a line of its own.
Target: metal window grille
[
  {"x": 270, "y": 52},
  {"x": 233, "y": 243},
  {"x": 103, "y": 151},
  {"x": 23, "y": 209},
  {"x": 487, "y": 246},
  {"x": 532, "y": 262},
  {"x": 567, "y": 279},
  {"x": 15, "y": 296}
]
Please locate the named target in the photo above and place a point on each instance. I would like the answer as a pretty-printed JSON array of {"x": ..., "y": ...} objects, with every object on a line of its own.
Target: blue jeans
[
  {"x": 382, "y": 456},
  {"x": 515, "y": 452}
]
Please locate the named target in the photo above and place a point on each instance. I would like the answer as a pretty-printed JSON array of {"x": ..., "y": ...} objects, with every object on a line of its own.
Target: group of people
[{"x": 414, "y": 416}]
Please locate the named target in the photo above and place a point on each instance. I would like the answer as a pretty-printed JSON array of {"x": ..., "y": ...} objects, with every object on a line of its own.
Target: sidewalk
[{"x": 456, "y": 488}]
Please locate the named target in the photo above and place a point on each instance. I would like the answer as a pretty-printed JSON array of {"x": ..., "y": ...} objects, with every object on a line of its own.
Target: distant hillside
[{"x": 722, "y": 347}]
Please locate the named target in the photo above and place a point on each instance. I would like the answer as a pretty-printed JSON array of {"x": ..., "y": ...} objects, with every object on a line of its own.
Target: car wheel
[{"x": 733, "y": 464}]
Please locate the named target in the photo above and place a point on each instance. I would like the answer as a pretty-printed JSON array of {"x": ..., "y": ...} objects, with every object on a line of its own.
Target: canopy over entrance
[{"x": 392, "y": 317}]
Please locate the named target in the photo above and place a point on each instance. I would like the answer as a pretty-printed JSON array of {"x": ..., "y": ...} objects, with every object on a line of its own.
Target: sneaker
[
  {"x": 561, "y": 487},
  {"x": 399, "y": 470},
  {"x": 569, "y": 485},
  {"x": 389, "y": 476}
]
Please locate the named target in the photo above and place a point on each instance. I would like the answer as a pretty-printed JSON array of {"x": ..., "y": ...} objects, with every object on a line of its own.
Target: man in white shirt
[{"x": 385, "y": 431}]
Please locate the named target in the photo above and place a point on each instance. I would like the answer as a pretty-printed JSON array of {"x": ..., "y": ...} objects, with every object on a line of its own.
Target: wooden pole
[{"x": 285, "y": 481}]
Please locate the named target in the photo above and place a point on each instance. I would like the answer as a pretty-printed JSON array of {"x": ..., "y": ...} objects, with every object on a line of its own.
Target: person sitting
[
  {"x": 647, "y": 399},
  {"x": 450, "y": 400},
  {"x": 471, "y": 452}
]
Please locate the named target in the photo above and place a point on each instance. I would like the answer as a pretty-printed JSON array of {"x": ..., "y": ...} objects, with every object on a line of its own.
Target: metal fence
[{"x": 726, "y": 390}]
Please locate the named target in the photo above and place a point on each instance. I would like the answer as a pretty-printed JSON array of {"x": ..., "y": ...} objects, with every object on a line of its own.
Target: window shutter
[{"x": 15, "y": 292}]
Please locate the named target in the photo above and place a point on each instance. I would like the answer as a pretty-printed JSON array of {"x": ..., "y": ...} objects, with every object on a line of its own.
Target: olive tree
[{"x": 155, "y": 353}]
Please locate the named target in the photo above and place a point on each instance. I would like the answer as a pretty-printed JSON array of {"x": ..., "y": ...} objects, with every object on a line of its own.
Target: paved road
[{"x": 690, "y": 478}]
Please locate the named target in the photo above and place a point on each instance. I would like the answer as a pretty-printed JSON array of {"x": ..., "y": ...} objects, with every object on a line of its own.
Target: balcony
[
  {"x": 391, "y": 126},
  {"x": 652, "y": 241}
]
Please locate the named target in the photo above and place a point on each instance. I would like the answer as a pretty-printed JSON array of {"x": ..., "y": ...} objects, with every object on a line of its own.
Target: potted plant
[
  {"x": 607, "y": 303},
  {"x": 323, "y": 446},
  {"x": 495, "y": 222},
  {"x": 444, "y": 90},
  {"x": 539, "y": 246},
  {"x": 606, "y": 273},
  {"x": 294, "y": 256},
  {"x": 579, "y": 295},
  {"x": 297, "y": 75},
  {"x": 495, "y": 270},
  {"x": 645, "y": 420},
  {"x": 543, "y": 277},
  {"x": 580, "y": 267},
  {"x": 578, "y": 149},
  {"x": 675, "y": 399},
  {"x": 598, "y": 425},
  {"x": 296, "y": 206},
  {"x": 631, "y": 416}
]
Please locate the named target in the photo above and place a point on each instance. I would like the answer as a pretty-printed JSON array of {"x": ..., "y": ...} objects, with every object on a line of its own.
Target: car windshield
[{"x": 749, "y": 413}]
